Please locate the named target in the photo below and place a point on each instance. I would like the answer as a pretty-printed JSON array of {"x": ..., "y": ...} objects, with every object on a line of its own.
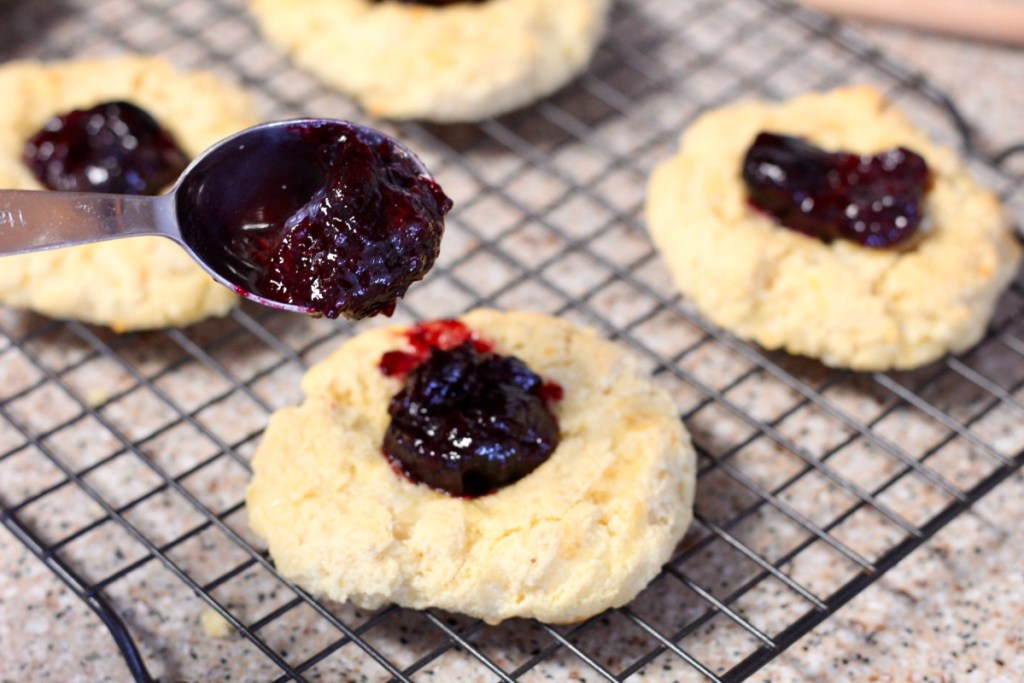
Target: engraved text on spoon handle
[{"x": 31, "y": 221}]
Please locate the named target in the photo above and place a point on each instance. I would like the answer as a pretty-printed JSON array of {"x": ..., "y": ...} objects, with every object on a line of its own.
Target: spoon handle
[
  {"x": 31, "y": 220},
  {"x": 993, "y": 20}
]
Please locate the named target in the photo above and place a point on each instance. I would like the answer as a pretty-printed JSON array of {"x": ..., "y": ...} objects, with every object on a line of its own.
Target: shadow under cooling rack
[{"x": 124, "y": 459}]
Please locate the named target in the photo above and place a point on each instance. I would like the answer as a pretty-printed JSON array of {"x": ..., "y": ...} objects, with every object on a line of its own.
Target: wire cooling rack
[{"x": 124, "y": 459}]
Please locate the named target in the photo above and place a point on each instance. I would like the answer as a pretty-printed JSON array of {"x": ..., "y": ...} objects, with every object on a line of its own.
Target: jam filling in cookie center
[
  {"x": 468, "y": 421},
  {"x": 875, "y": 201},
  {"x": 114, "y": 147},
  {"x": 346, "y": 235}
]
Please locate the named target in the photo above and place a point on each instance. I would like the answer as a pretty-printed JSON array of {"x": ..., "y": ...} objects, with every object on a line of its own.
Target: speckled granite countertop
[{"x": 953, "y": 611}]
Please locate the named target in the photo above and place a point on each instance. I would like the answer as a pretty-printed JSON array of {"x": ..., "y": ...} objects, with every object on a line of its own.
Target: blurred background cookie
[
  {"x": 124, "y": 125},
  {"x": 503, "y": 465},
  {"x": 440, "y": 61},
  {"x": 831, "y": 227}
]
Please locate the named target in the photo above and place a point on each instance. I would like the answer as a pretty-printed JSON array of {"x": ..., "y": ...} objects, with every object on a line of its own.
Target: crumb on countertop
[{"x": 215, "y": 625}]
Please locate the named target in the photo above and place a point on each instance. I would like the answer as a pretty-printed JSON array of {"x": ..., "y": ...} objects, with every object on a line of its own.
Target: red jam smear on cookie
[
  {"x": 875, "y": 201},
  {"x": 424, "y": 338},
  {"x": 468, "y": 421},
  {"x": 114, "y": 147}
]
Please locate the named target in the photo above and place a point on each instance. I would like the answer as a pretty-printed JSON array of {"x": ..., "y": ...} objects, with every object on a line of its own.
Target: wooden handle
[{"x": 994, "y": 20}]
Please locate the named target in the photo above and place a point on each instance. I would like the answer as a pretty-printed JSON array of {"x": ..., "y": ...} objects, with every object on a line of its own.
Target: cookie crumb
[
  {"x": 215, "y": 625},
  {"x": 96, "y": 397}
]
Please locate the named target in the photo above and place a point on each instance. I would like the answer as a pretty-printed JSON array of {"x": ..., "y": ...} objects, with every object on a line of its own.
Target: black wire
[{"x": 99, "y": 605}]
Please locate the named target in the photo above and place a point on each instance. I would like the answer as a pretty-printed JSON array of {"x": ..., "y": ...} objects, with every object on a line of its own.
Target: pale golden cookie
[
  {"x": 461, "y": 62},
  {"x": 128, "y": 284},
  {"x": 850, "y": 306},
  {"x": 585, "y": 531}
]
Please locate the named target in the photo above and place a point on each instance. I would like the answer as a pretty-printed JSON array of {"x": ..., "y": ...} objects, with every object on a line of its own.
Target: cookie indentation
[
  {"x": 873, "y": 200},
  {"x": 114, "y": 147},
  {"x": 468, "y": 423}
]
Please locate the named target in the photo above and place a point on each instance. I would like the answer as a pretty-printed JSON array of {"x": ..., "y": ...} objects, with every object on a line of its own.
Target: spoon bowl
[{"x": 246, "y": 186}]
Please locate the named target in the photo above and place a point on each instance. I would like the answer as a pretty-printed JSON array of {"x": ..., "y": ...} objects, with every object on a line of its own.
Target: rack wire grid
[{"x": 124, "y": 459}]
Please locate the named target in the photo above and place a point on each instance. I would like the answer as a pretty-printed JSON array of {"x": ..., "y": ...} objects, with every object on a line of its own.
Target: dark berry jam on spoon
[
  {"x": 468, "y": 421},
  {"x": 324, "y": 215},
  {"x": 875, "y": 201},
  {"x": 310, "y": 215}
]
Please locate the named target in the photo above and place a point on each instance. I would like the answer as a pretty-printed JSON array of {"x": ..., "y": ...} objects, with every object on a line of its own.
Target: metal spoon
[{"x": 229, "y": 181}]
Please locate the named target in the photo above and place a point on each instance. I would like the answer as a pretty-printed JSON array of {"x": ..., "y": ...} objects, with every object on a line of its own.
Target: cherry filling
[
  {"x": 113, "y": 147},
  {"x": 875, "y": 201},
  {"x": 468, "y": 421},
  {"x": 347, "y": 234}
]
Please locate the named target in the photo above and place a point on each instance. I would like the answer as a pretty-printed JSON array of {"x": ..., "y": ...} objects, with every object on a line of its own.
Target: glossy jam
[
  {"x": 326, "y": 216},
  {"x": 468, "y": 421},
  {"x": 114, "y": 147},
  {"x": 875, "y": 201}
]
